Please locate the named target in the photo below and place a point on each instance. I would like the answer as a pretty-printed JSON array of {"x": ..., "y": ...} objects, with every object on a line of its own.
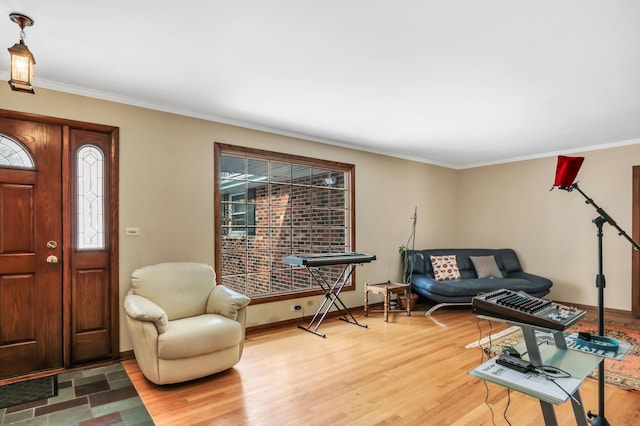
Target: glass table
[{"x": 548, "y": 353}]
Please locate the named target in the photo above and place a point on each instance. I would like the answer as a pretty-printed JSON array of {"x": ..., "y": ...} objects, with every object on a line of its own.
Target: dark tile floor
[{"x": 98, "y": 396}]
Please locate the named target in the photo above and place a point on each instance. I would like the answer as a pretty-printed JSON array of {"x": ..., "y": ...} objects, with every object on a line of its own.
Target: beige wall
[
  {"x": 166, "y": 189},
  {"x": 510, "y": 205}
]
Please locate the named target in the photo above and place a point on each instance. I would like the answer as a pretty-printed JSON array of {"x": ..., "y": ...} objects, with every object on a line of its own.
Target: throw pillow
[
  {"x": 445, "y": 267},
  {"x": 486, "y": 266}
]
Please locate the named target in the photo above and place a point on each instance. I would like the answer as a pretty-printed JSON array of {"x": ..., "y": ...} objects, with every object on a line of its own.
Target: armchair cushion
[
  {"x": 180, "y": 288},
  {"x": 227, "y": 302},
  {"x": 190, "y": 337},
  {"x": 142, "y": 309}
]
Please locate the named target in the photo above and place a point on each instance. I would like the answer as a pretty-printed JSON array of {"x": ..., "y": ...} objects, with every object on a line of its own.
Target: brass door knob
[{"x": 52, "y": 259}]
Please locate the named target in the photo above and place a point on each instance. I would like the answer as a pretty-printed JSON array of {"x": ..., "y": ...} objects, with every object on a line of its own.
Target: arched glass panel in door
[{"x": 14, "y": 154}]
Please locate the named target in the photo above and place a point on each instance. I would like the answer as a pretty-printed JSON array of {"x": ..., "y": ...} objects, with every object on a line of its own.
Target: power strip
[{"x": 515, "y": 363}]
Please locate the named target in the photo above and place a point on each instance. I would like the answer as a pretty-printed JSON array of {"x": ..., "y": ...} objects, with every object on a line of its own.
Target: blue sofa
[{"x": 460, "y": 292}]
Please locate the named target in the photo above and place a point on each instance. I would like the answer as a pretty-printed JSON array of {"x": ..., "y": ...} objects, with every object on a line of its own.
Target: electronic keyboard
[
  {"x": 524, "y": 308},
  {"x": 322, "y": 259}
]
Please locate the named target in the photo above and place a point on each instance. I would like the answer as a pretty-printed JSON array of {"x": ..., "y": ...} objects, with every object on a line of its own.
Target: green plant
[{"x": 408, "y": 260}]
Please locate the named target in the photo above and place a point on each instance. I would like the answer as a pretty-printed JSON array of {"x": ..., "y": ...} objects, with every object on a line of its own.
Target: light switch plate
[{"x": 132, "y": 230}]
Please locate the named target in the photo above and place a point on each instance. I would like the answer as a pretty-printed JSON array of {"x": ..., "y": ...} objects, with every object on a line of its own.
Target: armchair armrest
[
  {"x": 143, "y": 309},
  {"x": 227, "y": 302}
]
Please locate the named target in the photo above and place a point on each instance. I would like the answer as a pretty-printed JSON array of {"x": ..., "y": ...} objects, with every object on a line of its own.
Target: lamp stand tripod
[{"x": 600, "y": 419}]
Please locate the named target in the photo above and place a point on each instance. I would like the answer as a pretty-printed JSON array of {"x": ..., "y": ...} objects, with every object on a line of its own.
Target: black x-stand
[{"x": 599, "y": 419}]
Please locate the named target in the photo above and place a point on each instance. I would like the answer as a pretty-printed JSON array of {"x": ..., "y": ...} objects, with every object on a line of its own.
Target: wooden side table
[{"x": 386, "y": 289}]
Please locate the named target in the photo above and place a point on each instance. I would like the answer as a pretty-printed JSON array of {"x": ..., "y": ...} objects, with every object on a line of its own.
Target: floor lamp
[{"x": 566, "y": 172}]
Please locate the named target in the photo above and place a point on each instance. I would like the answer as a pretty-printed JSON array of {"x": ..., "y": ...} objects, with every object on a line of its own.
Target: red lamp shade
[{"x": 567, "y": 170}]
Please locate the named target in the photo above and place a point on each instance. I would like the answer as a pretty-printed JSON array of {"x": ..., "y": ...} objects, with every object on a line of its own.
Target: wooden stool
[{"x": 386, "y": 289}]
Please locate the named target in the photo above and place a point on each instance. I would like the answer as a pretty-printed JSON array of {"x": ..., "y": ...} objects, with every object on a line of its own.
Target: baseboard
[
  {"x": 127, "y": 355},
  {"x": 619, "y": 313}
]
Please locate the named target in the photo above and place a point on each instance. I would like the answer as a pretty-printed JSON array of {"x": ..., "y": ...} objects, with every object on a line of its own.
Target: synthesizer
[
  {"x": 322, "y": 259},
  {"x": 524, "y": 308}
]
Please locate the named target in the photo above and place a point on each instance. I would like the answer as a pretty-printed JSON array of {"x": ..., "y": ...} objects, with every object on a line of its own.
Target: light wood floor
[{"x": 410, "y": 371}]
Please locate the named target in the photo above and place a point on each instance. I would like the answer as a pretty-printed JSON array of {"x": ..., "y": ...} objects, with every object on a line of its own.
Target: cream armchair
[{"x": 182, "y": 325}]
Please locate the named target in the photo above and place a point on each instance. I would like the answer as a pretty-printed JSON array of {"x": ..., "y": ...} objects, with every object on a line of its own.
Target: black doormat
[{"x": 28, "y": 391}]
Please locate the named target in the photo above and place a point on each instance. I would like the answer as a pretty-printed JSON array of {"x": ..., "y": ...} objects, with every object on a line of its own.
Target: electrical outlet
[{"x": 296, "y": 307}]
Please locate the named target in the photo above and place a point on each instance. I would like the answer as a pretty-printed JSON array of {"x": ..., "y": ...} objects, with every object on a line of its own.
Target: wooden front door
[{"x": 31, "y": 257}]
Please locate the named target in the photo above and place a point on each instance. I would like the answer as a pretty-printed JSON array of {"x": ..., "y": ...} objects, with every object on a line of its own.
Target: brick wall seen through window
[{"x": 270, "y": 205}]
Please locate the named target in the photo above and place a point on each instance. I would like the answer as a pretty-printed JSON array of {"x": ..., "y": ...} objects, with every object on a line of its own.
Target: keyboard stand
[{"x": 331, "y": 298}]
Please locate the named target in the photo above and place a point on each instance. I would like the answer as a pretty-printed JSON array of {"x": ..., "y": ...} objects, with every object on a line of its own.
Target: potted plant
[{"x": 408, "y": 260}]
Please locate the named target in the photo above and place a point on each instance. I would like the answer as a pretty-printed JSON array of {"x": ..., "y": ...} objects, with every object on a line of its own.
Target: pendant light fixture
[{"x": 22, "y": 60}]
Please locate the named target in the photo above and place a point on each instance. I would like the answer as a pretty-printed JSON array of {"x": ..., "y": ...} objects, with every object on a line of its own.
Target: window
[
  {"x": 14, "y": 154},
  {"x": 271, "y": 205},
  {"x": 90, "y": 198}
]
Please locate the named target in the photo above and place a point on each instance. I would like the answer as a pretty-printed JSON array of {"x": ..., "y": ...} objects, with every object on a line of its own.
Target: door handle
[{"x": 52, "y": 259}]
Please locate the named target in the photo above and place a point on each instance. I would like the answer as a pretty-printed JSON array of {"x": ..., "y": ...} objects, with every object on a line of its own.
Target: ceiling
[{"x": 458, "y": 83}]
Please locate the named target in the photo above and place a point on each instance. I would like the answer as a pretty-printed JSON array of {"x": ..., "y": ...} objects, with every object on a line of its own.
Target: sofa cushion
[
  {"x": 181, "y": 289},
  {"x": 445, "y": 268},
  {"x": 469, "y": 287},
  {"x": 203, "y": 334},
  {"x": 486, "y": 266}
]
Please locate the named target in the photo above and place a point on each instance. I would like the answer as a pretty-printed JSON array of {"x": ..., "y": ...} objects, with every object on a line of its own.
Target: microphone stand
[{"x": 599, "y": 419}]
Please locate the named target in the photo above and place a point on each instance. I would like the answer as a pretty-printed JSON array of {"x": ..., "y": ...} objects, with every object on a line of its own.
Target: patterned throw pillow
[{"x": 445, "y": 267}]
